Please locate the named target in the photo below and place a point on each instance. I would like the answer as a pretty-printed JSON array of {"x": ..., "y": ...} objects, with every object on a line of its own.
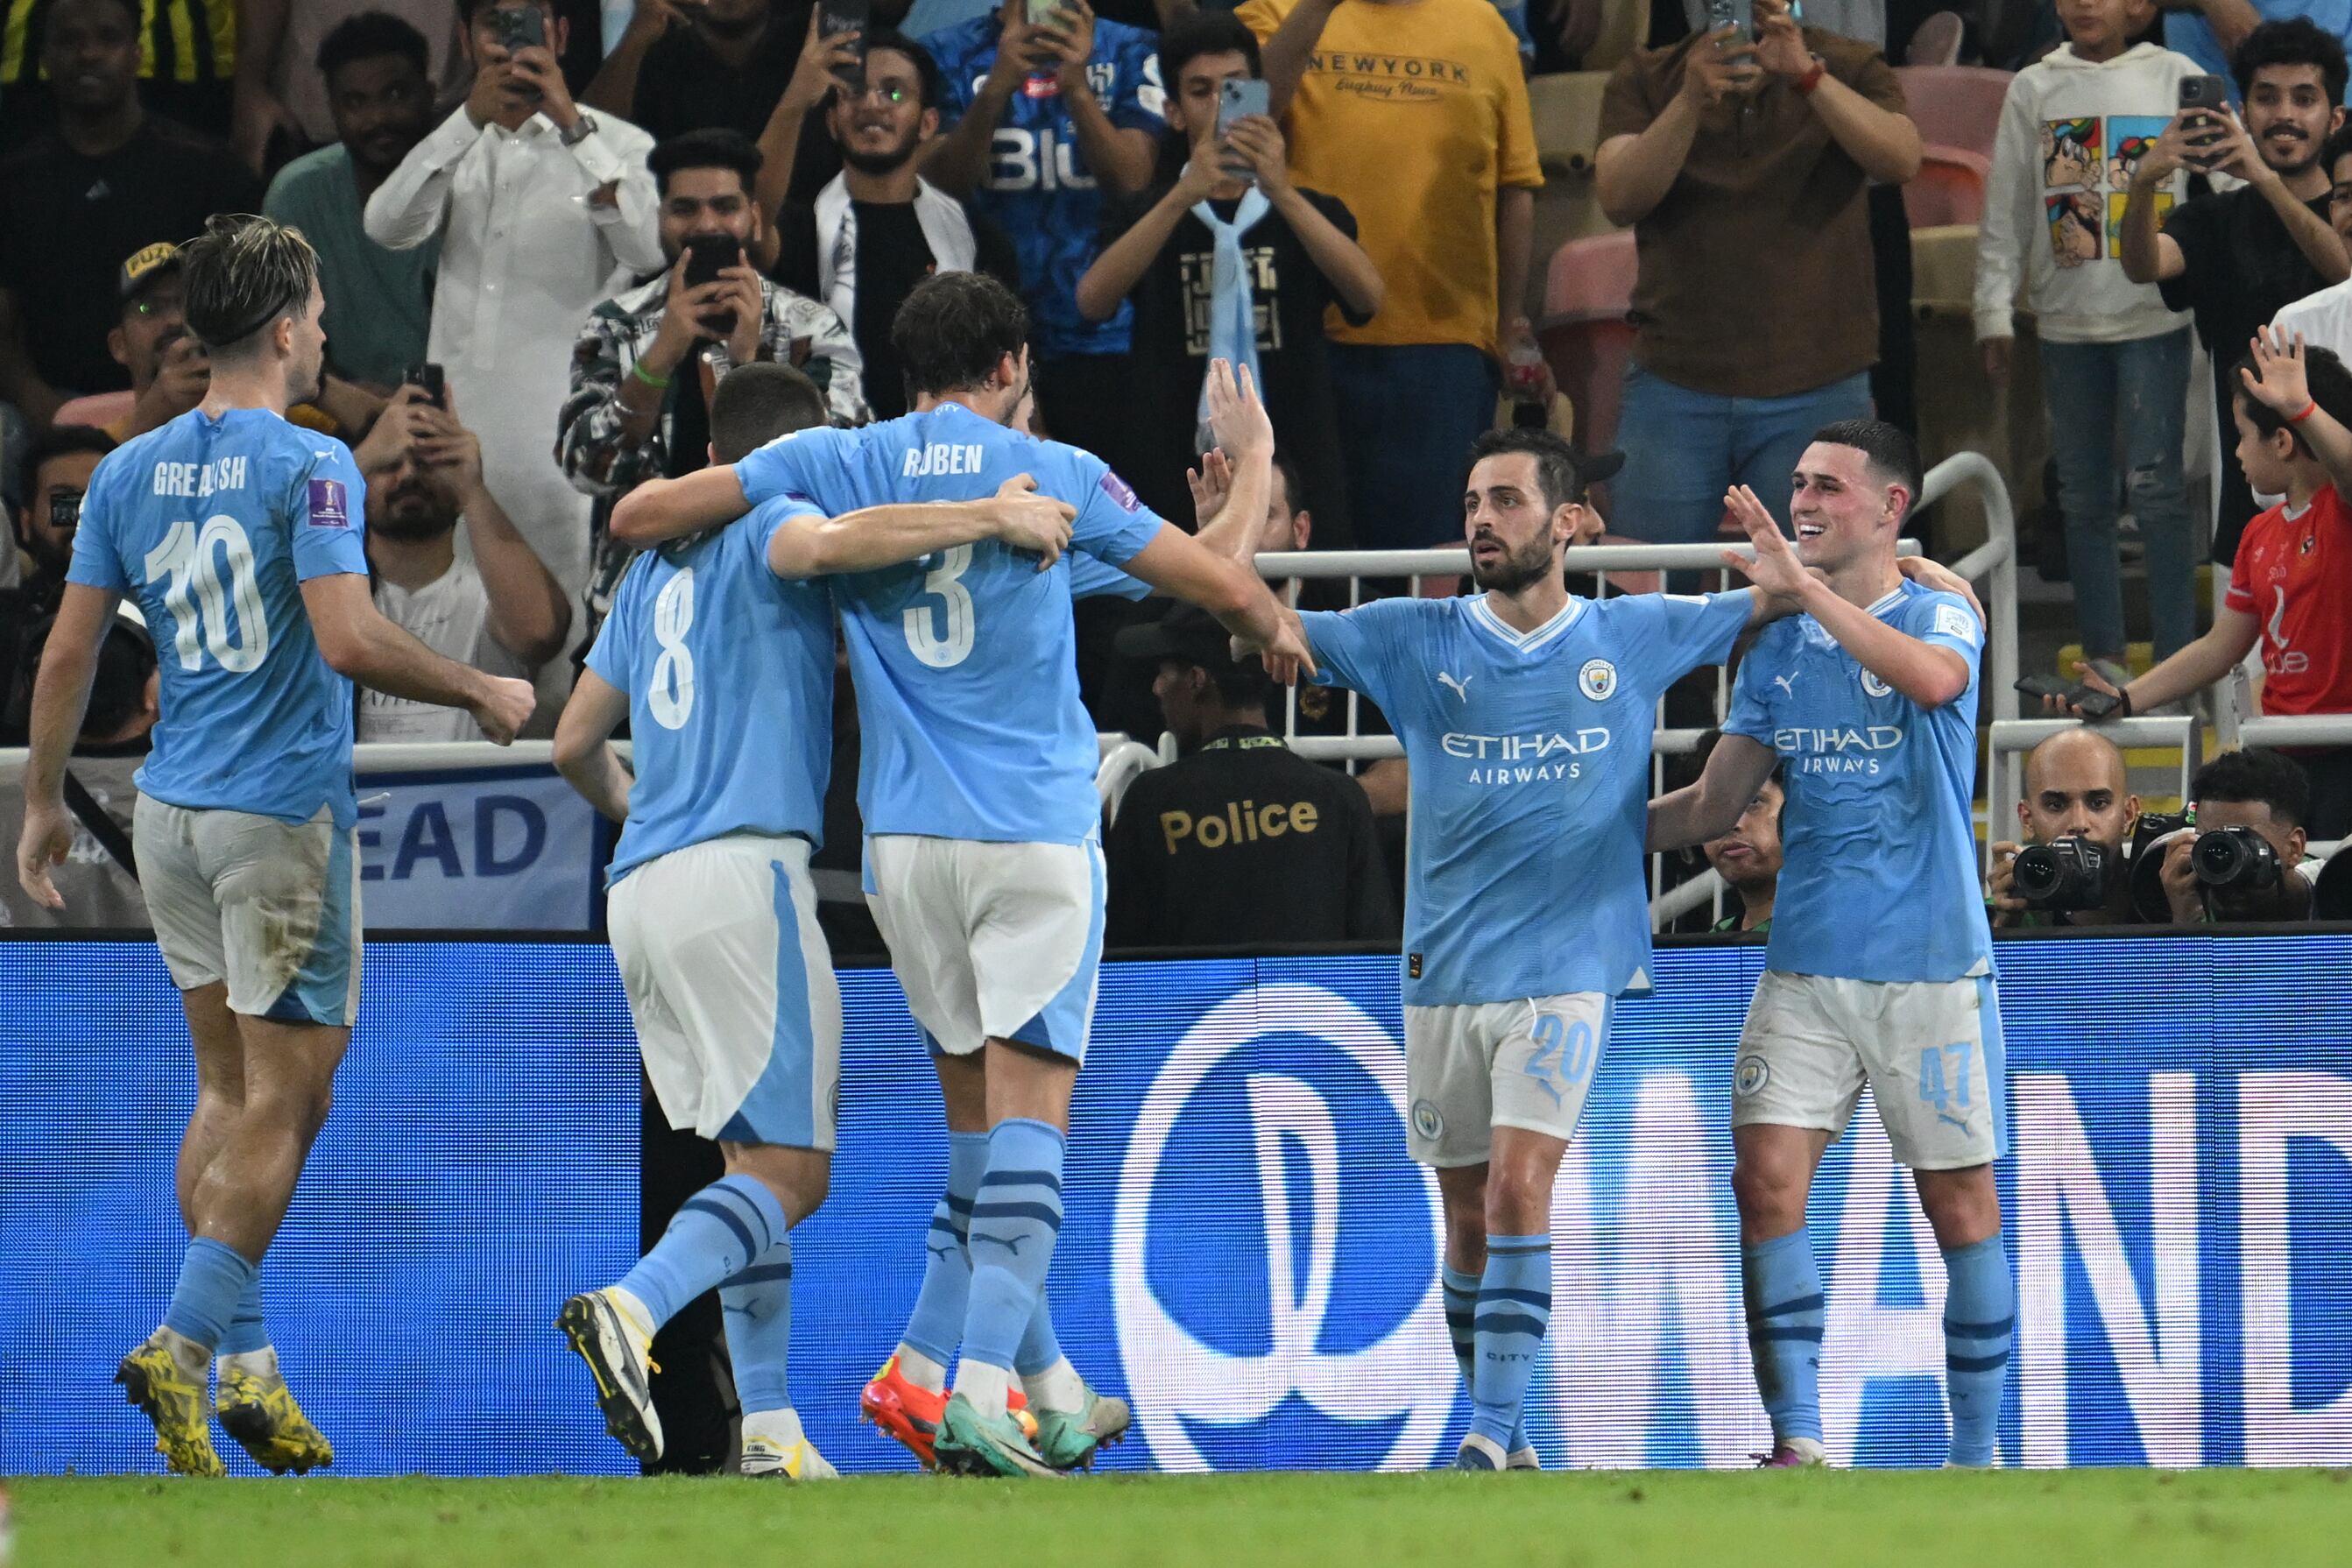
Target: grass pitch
[{"x": 2109, "y": 1518}]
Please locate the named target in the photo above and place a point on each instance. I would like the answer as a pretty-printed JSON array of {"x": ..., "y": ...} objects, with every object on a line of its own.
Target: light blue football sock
[
  {"x": 1015, "y": 1221},
  {"x": 212, "y": 1279},
  {"x": 939, "y": 1306},
  {"x": 714, "y": 1235},
  {"x": 1782, "y": 1288},
  {"x": 248, "y": 1330},
  {"x": 1980, "y": 1318},
  {"x": 757, "y": 1307},
  {"x": 1513, "y": 1310}
]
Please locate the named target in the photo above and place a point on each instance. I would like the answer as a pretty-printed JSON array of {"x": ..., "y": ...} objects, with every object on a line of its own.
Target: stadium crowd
[{"x": 541, "y": 255}]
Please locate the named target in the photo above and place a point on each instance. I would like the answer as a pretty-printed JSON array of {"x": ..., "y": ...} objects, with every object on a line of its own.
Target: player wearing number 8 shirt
[
  {"x": 1526, "y": 714},
  {"x": 1880, "y": 968},
  {"x": 238, "y": 534},
  {"x": 721, "y": 656},
  {"x": 977, "y": 791}
]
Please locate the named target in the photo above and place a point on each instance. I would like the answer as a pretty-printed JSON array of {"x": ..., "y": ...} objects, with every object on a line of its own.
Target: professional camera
[
  {"x": 2067, "y": 874},
  {"x": 2236, "y": 857},
  {"x": 2156, "y": 830}
]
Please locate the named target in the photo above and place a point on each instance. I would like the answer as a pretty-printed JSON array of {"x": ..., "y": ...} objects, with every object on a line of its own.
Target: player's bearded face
[{"x": 1509, "y": 567}]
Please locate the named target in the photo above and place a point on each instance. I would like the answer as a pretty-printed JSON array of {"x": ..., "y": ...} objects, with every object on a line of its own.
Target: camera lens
[
  {"x": 2038, "y": 873},
  {"x": 2235, "y": 858}
]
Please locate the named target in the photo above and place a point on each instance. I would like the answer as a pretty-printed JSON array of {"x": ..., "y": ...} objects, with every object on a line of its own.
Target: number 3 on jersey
[
  {"x": 671, "y": 694},
  {"x": 192, "y": 590},
  {"x": 927, "y": 642}
]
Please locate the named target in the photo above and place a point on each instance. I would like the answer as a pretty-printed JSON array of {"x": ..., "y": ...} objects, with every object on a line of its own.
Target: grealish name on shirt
[
  {"x": 197, "y": 480},
  {"x": 942, "y": 458}
]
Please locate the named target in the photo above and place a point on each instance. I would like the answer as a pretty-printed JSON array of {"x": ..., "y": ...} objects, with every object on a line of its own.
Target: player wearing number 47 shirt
[
  {"x": 978, "y": 796},
  {"x": 719, "y": 653},
  {"x": 240, "y": 536},
  {"x": 1880, "y": 967},
  {"x": 1526, "y": 715}
]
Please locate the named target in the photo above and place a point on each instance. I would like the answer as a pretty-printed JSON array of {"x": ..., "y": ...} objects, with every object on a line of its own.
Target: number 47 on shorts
[{"x": 1944, "y": 1079}]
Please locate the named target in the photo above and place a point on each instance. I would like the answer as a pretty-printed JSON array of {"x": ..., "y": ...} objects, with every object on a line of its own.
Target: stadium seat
[
  {"x": 1586, "y": 338},
  {"x": 1955, "y": 106},
  {"x": 1949, "y": 188}
]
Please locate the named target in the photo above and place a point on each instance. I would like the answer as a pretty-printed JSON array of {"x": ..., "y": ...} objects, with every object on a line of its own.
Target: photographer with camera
[
  {"x": 57, "y": 472},
  {"x": 2078, "y": 813},
  {"x": 2240, "y": 857}
]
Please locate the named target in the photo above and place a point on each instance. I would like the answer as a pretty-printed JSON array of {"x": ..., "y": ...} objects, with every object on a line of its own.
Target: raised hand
[
  {"x": 1775, "y": 568},
  {"x": 1237, "y": 416},
  {"x": 2276, "y": 378},
  {"x": 1212, "y": 485}
]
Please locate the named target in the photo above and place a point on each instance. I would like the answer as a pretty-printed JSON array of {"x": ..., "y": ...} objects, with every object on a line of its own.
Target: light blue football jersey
[
  {"x": 1531, "y": 756},
  {"x": 965, "y": 662},
  {"x": 1880, "y": 880},
  {"x": 213, "y": 526},
  {"x": 729, "y": 672}
]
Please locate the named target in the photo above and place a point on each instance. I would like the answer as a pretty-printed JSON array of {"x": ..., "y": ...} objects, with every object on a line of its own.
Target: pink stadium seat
[
  {"x": 1949, "y": 188},
  {"x": 1585, "y": 335},
  {"x": 1955, "y": 106}
]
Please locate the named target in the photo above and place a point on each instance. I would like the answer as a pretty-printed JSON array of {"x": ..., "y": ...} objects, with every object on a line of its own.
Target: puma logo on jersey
[
  {"x": 1461, "y": 687},
  {"x": 1786, "y": 683}
]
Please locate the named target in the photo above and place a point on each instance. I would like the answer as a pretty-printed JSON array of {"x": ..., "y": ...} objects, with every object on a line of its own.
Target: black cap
[
  {"x": 1185, "y": 634},
  {"x": 1592, "y": 469}
]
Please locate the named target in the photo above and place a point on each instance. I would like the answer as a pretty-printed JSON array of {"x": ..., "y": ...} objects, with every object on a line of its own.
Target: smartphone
[
  {"x": 2092, "y": 704},
  {"x": 836, "y": 16},
  {"x": 2210, "y": 95},
  {"x": 1239, "y": 97},
  {"x": 1055, "y": 14},
  {"x": 429, "y": 376},
  {"x": 1738, "y": 14},
  {"x": 707, "y": 256},
  {"x": 65, "y": 511},
  {"x": 518, "y": 27}
]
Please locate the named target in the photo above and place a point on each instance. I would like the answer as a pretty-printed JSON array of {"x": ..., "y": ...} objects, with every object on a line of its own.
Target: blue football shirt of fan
[
  {"x": 1879, "y": 880},
  {"x": 1530, "y": 759},
  {"x": 212, "y": 524},
  {"x": 965, "y": 661},
  {"x": 729, "y": 672},
  {"x": 1037, "y": 187}
]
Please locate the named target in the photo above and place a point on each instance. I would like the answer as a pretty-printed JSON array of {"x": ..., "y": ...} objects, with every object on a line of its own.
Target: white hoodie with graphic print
[{"x": 2071, "y": 130}]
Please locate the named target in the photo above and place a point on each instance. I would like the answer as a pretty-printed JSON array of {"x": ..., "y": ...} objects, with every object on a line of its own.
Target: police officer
[{"x": 1240, "y": 843}]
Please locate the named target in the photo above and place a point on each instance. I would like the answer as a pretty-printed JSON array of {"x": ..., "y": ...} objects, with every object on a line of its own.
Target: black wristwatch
[{"x": 582, "y": 129}]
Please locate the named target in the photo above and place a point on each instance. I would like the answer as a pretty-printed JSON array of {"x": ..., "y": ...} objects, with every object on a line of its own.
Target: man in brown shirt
[{"x": 1742, "y": 169}]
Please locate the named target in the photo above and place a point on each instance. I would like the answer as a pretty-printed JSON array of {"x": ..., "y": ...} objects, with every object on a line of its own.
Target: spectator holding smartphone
[
  {"x": 2292, "y": 576},
  {"x": 499, "y": 609},
  {"x": 1229, "y": 261},
  {"x": 1048, "y": 114},
  {"x": 2115, "y": 356},
  {"x": 2235, "y": 257},
  {"x": 536, "y": 205}
]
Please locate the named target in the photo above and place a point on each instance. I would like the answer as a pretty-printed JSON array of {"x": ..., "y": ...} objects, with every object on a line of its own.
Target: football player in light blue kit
[
  {"x": 240, "y": 536},
  {"x": 1526, "y": 715},
  {"x": 1879, "y": 968},
  {"x": 719, "y": 653},
  {"x": 977, "y": 790}
]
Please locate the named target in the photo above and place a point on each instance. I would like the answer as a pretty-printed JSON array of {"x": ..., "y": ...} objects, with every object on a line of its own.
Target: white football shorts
[
  {"x": 1930, "y": 1050},
  {"x": 731, "y": 985},
  {"x": 1476, "y": 1066},
  {"x": 270, "y": 906},
  {"x": 992, "y": 941}
]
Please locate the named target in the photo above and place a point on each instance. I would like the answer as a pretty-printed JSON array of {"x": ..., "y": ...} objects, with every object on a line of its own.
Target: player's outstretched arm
[
  {"x": 1175, "y": 564},
  {"x": 880, "y": 536},
  {"x": 672, "y": 508},
  {"x": 60, "y": 696},
  {"x": 583, "y": 749},
  {"x": 1927, "y": 675},
  {"x": 1710, "y": 808},
  {"x": 1244, "y": 435},
  {"x": 357, "y": 642}
]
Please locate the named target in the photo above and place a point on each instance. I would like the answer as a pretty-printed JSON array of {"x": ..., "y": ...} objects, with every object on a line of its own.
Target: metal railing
[
  {"x": 1992, "y": 563},
  {"x": 2012, "y": 737}
]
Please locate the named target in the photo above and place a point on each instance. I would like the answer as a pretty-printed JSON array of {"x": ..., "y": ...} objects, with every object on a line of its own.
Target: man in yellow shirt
[{"x": 1414, "y": 114}]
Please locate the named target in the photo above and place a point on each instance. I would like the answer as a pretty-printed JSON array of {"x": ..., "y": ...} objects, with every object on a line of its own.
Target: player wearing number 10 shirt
[
  {"x": 978, "y": 797},
  {"x": 238, "y": 535}
]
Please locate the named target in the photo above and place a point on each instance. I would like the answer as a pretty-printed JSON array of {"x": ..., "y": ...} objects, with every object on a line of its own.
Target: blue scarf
[{"x": 1232, "y": 308}]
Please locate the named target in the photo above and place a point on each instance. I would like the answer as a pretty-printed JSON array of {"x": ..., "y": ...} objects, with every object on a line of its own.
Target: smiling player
[{"x": 1880, "y": 967}]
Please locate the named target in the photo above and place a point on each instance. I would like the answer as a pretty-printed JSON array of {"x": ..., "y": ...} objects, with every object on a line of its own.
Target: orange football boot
[{"x": 906, "y": 1411}]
